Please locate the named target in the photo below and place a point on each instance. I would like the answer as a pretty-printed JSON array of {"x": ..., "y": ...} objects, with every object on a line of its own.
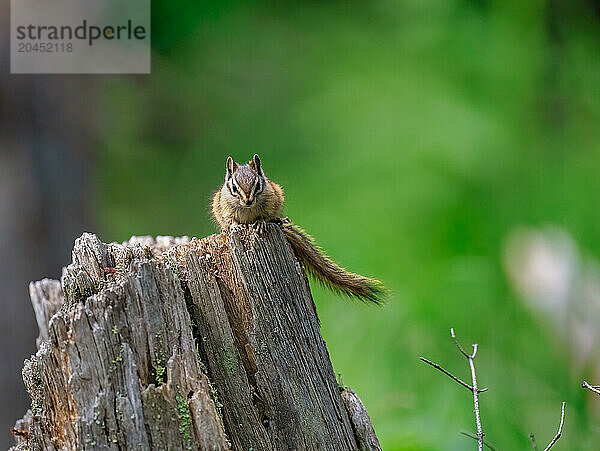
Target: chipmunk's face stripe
[
  {"x": 232, "y": 187},
  {"x": 244, "y": 197},
  {"x": 257, "y": 188}
]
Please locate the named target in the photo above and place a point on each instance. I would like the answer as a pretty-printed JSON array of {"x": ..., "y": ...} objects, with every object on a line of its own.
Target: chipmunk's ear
[
  {"x": 231, "y": 166},
  {"x": 255, "y": 163}
]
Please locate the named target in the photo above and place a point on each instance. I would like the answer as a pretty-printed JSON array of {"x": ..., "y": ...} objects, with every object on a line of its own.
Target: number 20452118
[{"x": 45, "y": 47}]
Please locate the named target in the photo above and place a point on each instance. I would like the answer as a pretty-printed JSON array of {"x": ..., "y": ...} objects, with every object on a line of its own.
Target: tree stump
[{"x": 172, "y": 343}]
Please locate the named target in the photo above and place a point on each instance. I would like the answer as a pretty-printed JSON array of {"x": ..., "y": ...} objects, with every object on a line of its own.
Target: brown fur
[{"x": 246, "y": 205}]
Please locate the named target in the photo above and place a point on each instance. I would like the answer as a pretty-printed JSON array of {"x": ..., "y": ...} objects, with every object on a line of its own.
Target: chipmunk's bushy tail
[{"x": 326, "y": 271}]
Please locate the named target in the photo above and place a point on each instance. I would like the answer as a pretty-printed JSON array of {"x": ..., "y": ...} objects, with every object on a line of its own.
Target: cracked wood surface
[{"x": 209, "y": 344}]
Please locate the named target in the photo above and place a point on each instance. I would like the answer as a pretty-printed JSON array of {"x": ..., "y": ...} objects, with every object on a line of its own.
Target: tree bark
[{"x": 209, "y": 344}]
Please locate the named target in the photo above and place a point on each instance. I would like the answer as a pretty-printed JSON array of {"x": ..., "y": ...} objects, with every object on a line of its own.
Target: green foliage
[{"x": 411, "y": 138}]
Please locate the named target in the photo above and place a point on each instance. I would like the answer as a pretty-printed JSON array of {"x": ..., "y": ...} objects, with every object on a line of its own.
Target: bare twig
[
  {"x": 472, "y": 388},
  {"x": 475, "y": 390},
  {"x": 470, "y": 358},
  {"x": 594, "y": 388},
  {"x": 533, "y": 442},
  {"x": 560, "y": 426},
  {"x": 474, "y": 436},
  {"x": 450, "y": 375}
]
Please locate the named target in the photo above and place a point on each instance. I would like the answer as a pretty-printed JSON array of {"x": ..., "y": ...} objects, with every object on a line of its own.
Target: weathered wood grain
[
  {"x": 361, "y": 422},
  {"x": 46, "y": 298},
  {"x": 209, "y": 344},
  {"x": 119, "y": 369}
]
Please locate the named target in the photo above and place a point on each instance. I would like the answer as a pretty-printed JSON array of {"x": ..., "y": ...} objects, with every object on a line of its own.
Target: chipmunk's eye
[{"x": 234, "y": 188}]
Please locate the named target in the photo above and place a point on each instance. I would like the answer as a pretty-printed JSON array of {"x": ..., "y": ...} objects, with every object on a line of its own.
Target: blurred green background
[{"x": 412, "y": 138}]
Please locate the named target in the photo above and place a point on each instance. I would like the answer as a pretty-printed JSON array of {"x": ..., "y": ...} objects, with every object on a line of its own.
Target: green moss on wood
[{"x": 185, "y": 419}]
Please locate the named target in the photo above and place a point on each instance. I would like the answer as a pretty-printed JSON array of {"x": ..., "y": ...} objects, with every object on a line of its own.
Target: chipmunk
[{"x": 249, "y": 197}]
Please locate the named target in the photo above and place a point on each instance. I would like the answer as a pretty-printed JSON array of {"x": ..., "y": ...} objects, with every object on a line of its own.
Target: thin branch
[
  {"x": 594, "y": 388},
  {"x": 558, "y": 434},
  {"x": 474, "y": 436},
  {"x": 475, "y": 390},
  {"x": 476, "y": 402},
  {"x": 533, "y": 442},
  {"x": 450, "y": 375},
  {"x": 472, "y": 388}
]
